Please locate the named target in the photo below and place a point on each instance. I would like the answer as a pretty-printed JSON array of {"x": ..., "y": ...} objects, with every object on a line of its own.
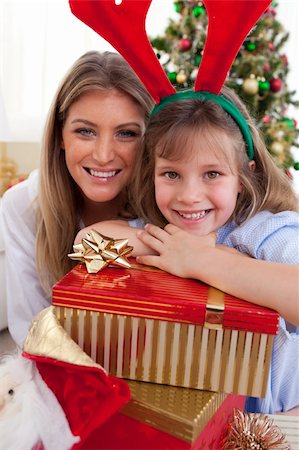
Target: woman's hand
[{"x": 177, "y": 250}]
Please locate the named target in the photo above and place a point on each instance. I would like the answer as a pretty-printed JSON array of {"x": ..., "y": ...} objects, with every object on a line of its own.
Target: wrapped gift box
[
  {"x": 289, "y": 425},
  {"x": 144, "y": 324},
  {"x": 167, "y": 417}
]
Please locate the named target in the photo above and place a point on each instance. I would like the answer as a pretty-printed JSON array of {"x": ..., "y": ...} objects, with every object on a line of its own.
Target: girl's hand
[{"x": 178, "y": 252}]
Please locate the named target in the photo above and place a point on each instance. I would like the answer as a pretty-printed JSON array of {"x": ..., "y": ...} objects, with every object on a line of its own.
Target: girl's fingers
[
  {"x": 149, "y": 260},
  {"x": 156, "y": 232},
  {"x": 149, "y": 240},
  {"x": 171, "y": 229}
]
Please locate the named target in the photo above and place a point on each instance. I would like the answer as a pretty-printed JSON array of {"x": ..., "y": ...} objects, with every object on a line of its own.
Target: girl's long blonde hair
[
  {"x": 167, "y": 136},
  {"x": 59, "y": 200}
]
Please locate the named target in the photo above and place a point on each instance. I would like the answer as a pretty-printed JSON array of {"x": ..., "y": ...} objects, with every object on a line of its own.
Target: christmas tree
[{"x": 258, "y": 73}]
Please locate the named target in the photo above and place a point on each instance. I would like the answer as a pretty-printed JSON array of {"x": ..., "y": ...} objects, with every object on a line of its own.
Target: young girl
[
  {"x": 198, "y": 184},
  {"x": 93, "y": 133}
]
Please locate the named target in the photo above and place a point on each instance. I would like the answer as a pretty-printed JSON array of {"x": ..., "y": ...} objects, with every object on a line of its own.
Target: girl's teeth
[
  {"x": 193, "y": 216},
  {"x": 102, "y": 174}
]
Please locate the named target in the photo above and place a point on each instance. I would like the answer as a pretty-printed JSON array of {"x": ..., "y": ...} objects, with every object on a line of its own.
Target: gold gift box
[{"x": 181, "y": 412}]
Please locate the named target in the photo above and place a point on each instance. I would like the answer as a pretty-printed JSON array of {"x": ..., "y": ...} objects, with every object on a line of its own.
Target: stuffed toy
[
  {"x": 28, "y": 407},
  {"x": 52, "y": 395}
]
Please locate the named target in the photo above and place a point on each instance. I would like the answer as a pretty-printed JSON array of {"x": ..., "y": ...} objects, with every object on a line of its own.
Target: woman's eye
[
  {"x": 11, "y": 392},
  {"x": 85, "y": 132},
  {"x": 127, "y": 134},
  {"x": 171, "y": 175},
  {"x": 212, "y": 175}
]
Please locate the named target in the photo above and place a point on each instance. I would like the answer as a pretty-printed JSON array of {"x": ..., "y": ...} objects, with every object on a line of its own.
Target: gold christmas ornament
[
  {"x": 8, "y": 169},
  {"x": 250, "y": 86},
  {"x": 277, "y": 147},
  {"x": 98, "y": 251},
  {"x": 181, "y": 77},
  {"x": 253, "y": 432}
]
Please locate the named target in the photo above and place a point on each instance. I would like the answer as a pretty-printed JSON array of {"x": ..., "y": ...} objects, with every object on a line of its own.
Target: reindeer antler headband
[{"x": 122, "y": 24}]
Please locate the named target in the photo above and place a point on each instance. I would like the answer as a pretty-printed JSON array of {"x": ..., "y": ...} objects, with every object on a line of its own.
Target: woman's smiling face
[{"x": 100, "y": 137}]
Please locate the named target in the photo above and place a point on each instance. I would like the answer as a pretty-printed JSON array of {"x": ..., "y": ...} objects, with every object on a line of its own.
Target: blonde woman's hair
[
  {"x": 59, "y": 200},
  {"x": 170, "y": 132}
]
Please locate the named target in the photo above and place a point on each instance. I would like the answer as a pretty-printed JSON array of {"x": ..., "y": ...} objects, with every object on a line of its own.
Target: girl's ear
[{"x": 251, "y": 165}]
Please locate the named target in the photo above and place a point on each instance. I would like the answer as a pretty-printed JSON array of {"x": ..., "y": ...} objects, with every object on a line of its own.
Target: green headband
[{"x": 225, "y": 104}]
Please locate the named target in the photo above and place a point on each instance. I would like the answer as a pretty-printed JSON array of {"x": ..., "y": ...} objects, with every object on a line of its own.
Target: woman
[{"x": 93, "y": 132}]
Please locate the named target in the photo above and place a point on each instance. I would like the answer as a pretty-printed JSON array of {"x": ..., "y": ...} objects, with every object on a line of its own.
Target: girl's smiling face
[
  {"x": 100, "y": 137},
  {"x": 198, "y": 192}
]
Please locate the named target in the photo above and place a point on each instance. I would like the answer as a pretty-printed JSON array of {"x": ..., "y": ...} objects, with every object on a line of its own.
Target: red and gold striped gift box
[{"x": 145, "y": 324}]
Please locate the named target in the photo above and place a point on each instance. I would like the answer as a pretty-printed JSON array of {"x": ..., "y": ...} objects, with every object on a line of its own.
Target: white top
[{"x": 25, "y": 296}]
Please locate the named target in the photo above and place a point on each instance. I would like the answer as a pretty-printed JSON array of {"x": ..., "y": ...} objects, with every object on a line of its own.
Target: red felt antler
[
  {"x": 229, "y": 22},
  {"x": 123, "y": 26}
]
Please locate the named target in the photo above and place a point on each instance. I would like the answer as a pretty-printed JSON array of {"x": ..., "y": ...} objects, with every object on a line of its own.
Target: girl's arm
[{"x": 269, "y": 284}]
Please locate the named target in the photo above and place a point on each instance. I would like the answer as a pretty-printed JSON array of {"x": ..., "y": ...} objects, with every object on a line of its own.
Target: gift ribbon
[
  {"x": 214, "y": 309},
  {"x": 98, "y": 251}
]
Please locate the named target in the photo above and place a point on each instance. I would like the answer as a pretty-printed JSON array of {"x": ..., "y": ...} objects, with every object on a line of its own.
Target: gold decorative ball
[
  {"x": 277, "y": 147},
  {"x": 250, "y": 86},
  {"x": 181, "y": 77}
]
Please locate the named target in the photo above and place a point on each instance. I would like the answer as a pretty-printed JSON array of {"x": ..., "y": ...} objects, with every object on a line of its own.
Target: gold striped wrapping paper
[
  {"x": 289, "y": 425},
  {"x": 177, "y": 411},
  {"x": 172, "y": 353}
]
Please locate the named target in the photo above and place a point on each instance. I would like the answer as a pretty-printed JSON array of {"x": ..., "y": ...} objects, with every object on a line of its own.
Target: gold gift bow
[{"x": 98, "y": 251}]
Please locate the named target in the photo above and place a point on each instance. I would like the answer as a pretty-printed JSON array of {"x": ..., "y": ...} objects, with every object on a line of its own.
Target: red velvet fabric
[
  {"x": 123, "y": 26},
  {"x": 229, "y": 22},
  {"x": 87, "y": 395}
]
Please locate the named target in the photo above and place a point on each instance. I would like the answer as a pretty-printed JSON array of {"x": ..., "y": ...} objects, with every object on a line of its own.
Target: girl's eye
[
  {"x": 11, "y": 392},
  {"x": 85, "y": 132},
  {"x": 212, "y": 175},
  {"x": 171, "y": 175}
]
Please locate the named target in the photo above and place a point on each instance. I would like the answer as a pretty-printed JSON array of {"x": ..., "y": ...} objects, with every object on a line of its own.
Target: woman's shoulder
[{"x": 269, "y": 236}]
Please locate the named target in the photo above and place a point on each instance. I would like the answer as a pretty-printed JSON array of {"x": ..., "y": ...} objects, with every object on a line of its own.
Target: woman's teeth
[
  {"x": 193, "y": 216},
  {"x": 102, "y": 174}
]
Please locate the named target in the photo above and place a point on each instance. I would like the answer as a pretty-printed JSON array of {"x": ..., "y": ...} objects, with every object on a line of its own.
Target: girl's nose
[
  {"x": 103, "y": 151},
  {"x": 190, "y": 193}
]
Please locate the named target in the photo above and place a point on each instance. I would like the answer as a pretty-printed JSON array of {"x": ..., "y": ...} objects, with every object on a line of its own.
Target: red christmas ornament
[
  {"x": 266, "y": 119},
  {"x": 295, "y": 123},
  {"x": 271, "y": 11},
  {"x": 184, "y": 44},
  {"x": 267, "y": 67},
  {"x": 284, "y": 59},
  {"x": 275, "y": 84},
  {"x": 271, "y": 46}
]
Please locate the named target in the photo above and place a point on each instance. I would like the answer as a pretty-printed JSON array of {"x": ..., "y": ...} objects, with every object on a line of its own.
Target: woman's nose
[{"x": 103, "y": 151}]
